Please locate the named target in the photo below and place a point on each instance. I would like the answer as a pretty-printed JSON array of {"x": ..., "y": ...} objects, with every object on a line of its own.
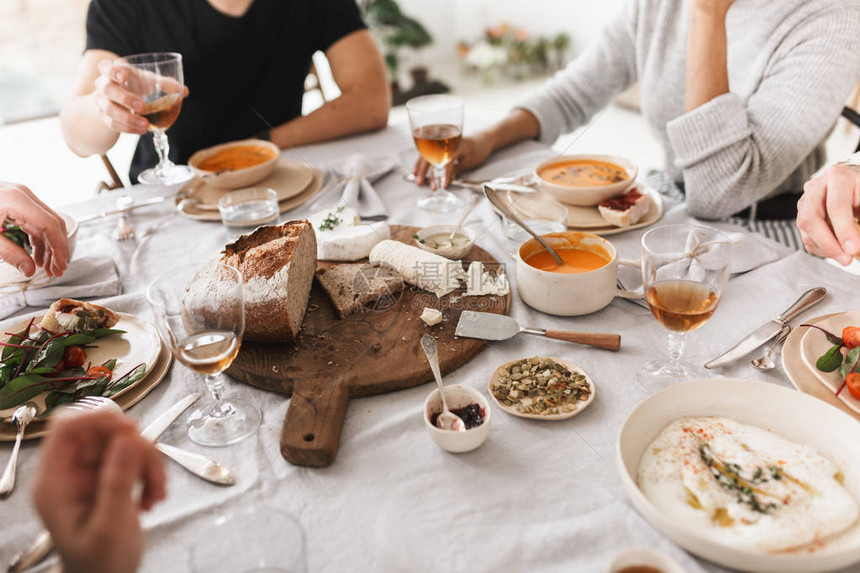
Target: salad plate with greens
[
  {"x": 53, "y": 368},
  {"x": 830, "y": 349}
]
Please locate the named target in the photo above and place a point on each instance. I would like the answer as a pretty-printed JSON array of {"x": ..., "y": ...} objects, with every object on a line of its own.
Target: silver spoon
[
  {"x": 22, "y": 416},
  {"x": 765, "y": 363},
  {"x": 446, "y": 420},
  {"x": 493, "y": 196},
  {"x": 470, "y": 204}
]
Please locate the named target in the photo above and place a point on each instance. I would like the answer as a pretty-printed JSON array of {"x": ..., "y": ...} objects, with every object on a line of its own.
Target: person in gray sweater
[{"x": 742, "y": 93}]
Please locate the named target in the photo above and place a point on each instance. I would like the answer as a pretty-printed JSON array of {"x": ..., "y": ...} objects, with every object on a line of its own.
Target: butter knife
[{"x": 768, "y": 330}]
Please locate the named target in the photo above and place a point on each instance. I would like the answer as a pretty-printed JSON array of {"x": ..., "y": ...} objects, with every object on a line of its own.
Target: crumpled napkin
[
  {"x": 87, "y": 277},
  {"x": 359, "y": 173}
]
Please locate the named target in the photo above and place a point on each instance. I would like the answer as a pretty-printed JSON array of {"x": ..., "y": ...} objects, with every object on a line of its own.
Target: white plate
[
  {"x": 580, "y": 405},
  {"x": 788, "y": 413},
  {"x": 814, "y": 343},
  {"x": 139, "y": 345}
]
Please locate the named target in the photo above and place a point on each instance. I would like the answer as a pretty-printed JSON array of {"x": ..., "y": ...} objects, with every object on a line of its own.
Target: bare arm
[
  {"x": 707, "y": 70},
  {"x": 365, "y": 99}
]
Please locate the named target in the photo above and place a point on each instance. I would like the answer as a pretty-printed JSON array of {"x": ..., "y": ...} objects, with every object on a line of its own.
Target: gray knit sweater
[{"x": 791, "y": 64}]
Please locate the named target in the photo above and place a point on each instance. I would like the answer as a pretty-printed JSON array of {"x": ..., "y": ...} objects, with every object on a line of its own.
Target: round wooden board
[{"x": 369, "y": 352}]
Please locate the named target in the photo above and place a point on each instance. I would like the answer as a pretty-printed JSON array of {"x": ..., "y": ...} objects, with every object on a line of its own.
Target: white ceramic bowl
[
  {"x": 789, "y": 414},
  {"x": 458, "y": 396},
  {"x": 586, "y": 196},
  {"x": 236, "y": 179},
  {"x": 9, "y": 274},
  {"x": 644, "y": 557},
  {"x": 571, "y": 294},
  {"x": 455, "y": 253}
]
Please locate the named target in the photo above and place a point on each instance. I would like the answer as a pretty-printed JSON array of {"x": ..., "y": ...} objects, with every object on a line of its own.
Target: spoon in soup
[
  {"x": 493, "y": 196},
  {"x": 446, "y": 420}
]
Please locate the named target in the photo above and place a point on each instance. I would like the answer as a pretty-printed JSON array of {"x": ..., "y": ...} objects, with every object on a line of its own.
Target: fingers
[
  {"x": 420, "y": 171},
  {"x": 843, "y": 191},
  {"x": 116, "y": 103},
  {"x": 45, "y": 229},
  {"x": 17, "y": 257},
  {"x": 154, "y": 479},
  {"x": 812, "y": 220},
  {"x": 121, "y": 466}
]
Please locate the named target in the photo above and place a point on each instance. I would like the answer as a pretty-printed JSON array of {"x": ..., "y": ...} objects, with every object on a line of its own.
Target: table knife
[
  {"x": 132, "y": 207},
  {"x": 768, "y": 330}
]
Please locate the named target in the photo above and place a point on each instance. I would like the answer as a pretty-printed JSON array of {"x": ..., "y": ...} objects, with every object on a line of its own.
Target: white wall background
[{"x": 451, "y": 21}]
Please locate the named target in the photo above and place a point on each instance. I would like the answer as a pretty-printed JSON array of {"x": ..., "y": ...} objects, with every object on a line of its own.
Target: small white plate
[
  {"x": 813, "y": 344},
  {"x": 580, "y": 405},
  {"x": 788, "y": 413},
  {"x": 139, "y": 345}
]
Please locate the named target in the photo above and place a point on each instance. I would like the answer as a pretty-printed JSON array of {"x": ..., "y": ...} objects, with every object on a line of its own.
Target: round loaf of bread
[{"x": 277, "y": 265}]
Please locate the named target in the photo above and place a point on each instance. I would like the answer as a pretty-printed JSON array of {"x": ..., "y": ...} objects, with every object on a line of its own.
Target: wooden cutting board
[{"x": 370, "y": 352}]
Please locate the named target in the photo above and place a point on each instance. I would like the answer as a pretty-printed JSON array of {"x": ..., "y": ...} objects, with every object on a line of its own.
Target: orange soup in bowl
[
  {"x": 575, "y": 261},
  {"x": 583, "y": 173},
  {"x": 236, "y": 158}
]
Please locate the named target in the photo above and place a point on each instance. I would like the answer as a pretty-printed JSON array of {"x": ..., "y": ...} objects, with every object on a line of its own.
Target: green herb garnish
[{"x": 15, "y": 234}]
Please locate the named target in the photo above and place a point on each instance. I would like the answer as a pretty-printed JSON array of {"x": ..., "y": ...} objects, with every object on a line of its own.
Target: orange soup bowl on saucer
[
  {"x": 585, "y": 180},
  {"x": 236, "y": 164},
  {"x": 585, "y": 283}
]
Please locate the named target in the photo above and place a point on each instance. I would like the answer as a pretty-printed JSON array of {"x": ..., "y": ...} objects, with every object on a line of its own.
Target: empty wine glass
[
  {"x": 200, "y": 316},
  {"x": 158, "y": 79},
  {"x": 437, "y": 128},
  {"x": 230, "y": 539},
  {"x": 685, "y": 269}
]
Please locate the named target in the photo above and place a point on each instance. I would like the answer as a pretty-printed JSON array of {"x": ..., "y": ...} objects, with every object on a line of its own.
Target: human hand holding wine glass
[
  {"x": 685, "y": 269},
  {"x": 200, "y": 316},
  {"x": 437, "y": 129},
  {"x": 158, "y": 80}
]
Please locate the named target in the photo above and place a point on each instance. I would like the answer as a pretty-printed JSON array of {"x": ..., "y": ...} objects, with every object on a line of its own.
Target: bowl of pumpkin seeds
[{"x": 541, "y": 388}]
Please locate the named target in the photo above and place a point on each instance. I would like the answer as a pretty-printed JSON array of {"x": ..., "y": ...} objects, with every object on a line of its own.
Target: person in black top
[{"x": 245, "y": 63}]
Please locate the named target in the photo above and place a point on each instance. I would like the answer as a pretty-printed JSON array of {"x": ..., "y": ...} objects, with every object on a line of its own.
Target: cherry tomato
[
  {"x": 74, "y": 356},
  {"x": 99, "y": 372},
  {"x": 852, "y": 381},
  {"x": 851, "y": 336},
  {"x": 60, "y": 366}
]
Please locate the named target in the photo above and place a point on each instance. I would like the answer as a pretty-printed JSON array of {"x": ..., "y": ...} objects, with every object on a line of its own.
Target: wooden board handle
[
  {"x": 596, "y": 339},
  {"x": 311, "y": 432}
]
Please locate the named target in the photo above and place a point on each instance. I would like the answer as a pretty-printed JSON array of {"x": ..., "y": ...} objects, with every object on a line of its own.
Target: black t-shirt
[{"x": 244, "y": 74}]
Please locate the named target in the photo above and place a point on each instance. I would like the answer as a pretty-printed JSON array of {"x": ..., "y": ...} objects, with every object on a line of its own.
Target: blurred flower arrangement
[{"x": 512, "y": 52}]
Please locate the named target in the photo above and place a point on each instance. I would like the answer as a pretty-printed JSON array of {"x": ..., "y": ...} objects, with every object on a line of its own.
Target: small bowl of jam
[{"x": 472, "y": 407}]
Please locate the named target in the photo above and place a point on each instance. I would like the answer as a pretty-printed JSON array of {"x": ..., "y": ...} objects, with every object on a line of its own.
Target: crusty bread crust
[{"x": 277, "y": 265}]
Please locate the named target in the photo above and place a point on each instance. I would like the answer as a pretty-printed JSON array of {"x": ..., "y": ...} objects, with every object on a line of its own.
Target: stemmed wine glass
[
  {"x": 200, "y": 316},
  {"x": 685, "y": 269},
  {"x": 437, "y": 128},
  {"x": 157, "y": 78}
]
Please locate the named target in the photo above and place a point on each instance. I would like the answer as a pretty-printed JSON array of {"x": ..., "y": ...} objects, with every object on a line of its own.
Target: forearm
[
  {"x": 83, "y": 129},
  {"x": 707, "y": 73},
  {"x": 355, "y": 111},
  {"x": 518, "y": 126}
]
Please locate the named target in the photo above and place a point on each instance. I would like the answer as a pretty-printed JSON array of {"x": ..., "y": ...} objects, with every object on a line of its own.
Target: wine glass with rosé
[
  {"x": 157, "y": 78},
  {"x": 437, "y": 128},
  {"x": 685, "y": 269},
  {"x": 199, "y": 314}
]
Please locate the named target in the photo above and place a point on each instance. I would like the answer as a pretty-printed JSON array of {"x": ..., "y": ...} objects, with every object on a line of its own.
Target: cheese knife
[
  {"x": 488, "y": 326},
  {"x": 199, "y": 465},
  {"x": 769, "y": 329}
]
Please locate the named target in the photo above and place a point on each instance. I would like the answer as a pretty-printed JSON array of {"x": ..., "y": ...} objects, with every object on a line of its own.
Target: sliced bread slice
[{"x": 360, "y": 285}]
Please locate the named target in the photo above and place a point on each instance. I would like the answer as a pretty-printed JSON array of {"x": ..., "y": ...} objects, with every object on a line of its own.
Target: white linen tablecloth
[{"x": 537, "y": 496}]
